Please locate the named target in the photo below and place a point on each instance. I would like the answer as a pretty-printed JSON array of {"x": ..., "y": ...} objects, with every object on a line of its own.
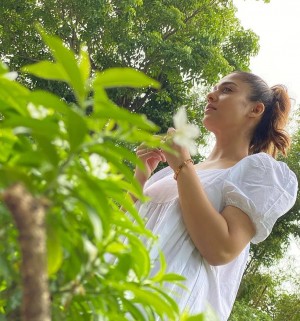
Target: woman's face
[{"x": 228, "y": 106}]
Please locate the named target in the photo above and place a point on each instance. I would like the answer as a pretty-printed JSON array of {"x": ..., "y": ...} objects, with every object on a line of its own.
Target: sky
[
  {"x": 277, "y": 24},
  {"x": 278, "y": 62}
]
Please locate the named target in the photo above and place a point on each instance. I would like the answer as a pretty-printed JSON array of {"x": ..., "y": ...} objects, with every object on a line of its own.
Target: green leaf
[
  {"x": 31, "y": 125},
  {"x": 14, "y": 95},
  {"x": 134, "y": 310},
  {"x": 116, "y": 248},
  {"x": 109, "y": 110},
  {"x": 91, "y": 195},
  {"x": 96, "y": 224},
  {"x": 163, "y": 265},
  {"x": 47, "y": 70},
  {"x": 172, "y": 277},
  {"x": 124, "y": 77},
  {"x": 122, "y": 266},
  {"x": 50, "y": 101},
  {"x": 84, "y": 63},
  {"x": 76, "y": 129},
  {"x": 126, "y": 203},
  {"x": 132, "y": 134},
  {"x": 124, "y": 222},
  {"x": 11, "y": 175},
  {"x": 151, "y": 298},
  {"x": 67, "y": 61},
  {"x": 29, "y": 159},
  {"x": 113, "y": 158},
  {"x": 124, "y": 153},
  {"x": 167, "y": 297},
  {"x": 3, "y": 68},
  {"x": 48, "y": 149},
  {"x": 54, "y": 250},
  {"x": 7, "y": 140},
  {"x": 197, "y": 317},
  {"x": 133, "y": 187},
  {"x": 140, "y": 256}
]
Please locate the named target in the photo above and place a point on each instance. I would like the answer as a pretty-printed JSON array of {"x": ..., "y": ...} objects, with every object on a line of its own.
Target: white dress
[{"x": 259, "y": 185}]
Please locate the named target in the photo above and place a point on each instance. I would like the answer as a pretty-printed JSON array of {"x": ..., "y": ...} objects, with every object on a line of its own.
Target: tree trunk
[{"x": 29, "y": 215}]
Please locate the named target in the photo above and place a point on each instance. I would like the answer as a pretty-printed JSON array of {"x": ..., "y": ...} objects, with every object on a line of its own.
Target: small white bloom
[
  {"x": 186, "y": 133},
  {"x": 12, "y": 75},
  {"x": 37, "y": 112},
  {"x": 99, "y": 165}
]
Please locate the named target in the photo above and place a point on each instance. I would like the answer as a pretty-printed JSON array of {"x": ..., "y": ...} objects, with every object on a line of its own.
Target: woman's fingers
[
  {"x": 171, "y": 131},
  {"x": 144, "y": 152},
  {"x": 151, "y": 158}
]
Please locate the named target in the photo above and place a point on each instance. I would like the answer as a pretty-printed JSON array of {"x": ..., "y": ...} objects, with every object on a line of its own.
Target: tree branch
[
  {"x": 255, "y": 305},
  {"x": 139, "y": 101},
  {"x": 29, "y": 215},
  {"x": 188, "y": 19}
]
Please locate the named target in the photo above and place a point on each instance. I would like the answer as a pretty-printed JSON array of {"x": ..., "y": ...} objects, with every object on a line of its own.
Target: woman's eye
[{"x": 226, "y": 89}]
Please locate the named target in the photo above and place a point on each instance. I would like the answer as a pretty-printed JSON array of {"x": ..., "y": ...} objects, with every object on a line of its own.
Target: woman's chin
[{"x": 209, "y": 124}]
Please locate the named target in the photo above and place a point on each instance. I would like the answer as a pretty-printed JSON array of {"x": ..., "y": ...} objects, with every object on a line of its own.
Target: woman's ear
[{"x": 257, "y": 109}]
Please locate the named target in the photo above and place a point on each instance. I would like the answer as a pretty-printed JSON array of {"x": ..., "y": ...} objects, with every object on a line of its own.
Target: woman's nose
[{"x": 211, "y": 96}]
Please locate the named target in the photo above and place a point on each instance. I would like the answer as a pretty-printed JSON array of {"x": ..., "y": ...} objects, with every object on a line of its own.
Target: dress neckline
[{"x": 216, "y": 169}]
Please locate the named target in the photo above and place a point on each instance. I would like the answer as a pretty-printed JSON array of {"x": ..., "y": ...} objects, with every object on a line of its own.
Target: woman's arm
[{"x": 219, "y": 237}]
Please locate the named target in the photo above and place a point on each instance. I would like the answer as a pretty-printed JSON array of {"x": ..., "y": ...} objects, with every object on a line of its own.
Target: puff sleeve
[{"x": 263, "y": 188}]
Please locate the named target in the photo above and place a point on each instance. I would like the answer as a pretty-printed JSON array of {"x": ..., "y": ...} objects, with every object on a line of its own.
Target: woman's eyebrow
[{"x": 225, "y": 83}]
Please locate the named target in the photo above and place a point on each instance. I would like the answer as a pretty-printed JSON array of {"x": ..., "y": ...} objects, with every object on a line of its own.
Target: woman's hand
[
  {"x": 182, "y": 154},
  {"x": 151, "y": 157}
]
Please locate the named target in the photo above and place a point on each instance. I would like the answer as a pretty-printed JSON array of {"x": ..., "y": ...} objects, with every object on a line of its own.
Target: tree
[
  {"x": 242, "y": 311},
  {"x": 287, "y": 307},
  {"x": 64, "y": 173},
  {"x": 264, "y": 295},
  {"x": 178, "y": 43}
]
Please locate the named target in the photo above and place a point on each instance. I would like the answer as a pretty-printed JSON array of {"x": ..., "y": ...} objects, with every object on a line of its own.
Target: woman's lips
[{"x": 210, "y": 107}]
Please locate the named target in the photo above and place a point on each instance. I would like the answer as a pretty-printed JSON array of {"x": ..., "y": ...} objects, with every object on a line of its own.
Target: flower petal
[
  {"x": 181, "y": 140},
  {"x": 185, "y": 133},
  {"x": 180, "y": 118},
  {"x": 192, "y": 131},
  {"x": 193, "y": 149},
  {"x": 12, "y": 75}
]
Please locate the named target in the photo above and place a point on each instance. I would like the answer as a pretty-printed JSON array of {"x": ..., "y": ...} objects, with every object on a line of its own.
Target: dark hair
[{"x": 269, "y": 135}]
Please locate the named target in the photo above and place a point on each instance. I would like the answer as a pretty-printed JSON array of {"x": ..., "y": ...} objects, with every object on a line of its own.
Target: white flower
[
  {"x": 186, "y": 133},
  {"x": 12, "y": 75},
  {"x": 38, "y": 112}
]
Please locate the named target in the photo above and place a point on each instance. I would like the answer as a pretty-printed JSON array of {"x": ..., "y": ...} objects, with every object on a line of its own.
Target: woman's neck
[{"x": 229, "y": 149}]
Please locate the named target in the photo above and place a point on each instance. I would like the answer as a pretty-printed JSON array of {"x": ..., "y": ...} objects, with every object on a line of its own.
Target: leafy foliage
[
  {"x": 45, "y": 138},
  {"x": 98, "y": 265},
  {"x": 243, "y": 312},
  {"x": 263, "y": 296},
  {"x": 178, "y": 43}
]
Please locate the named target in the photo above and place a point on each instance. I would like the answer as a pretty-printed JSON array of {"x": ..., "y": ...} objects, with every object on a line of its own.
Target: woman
[{"x": 207, "y": 216}]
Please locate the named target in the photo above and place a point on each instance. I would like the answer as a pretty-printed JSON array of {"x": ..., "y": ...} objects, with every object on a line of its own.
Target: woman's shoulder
[
  {"x": 263, "y": 168},
  {"x": 262, "y": 160}
]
